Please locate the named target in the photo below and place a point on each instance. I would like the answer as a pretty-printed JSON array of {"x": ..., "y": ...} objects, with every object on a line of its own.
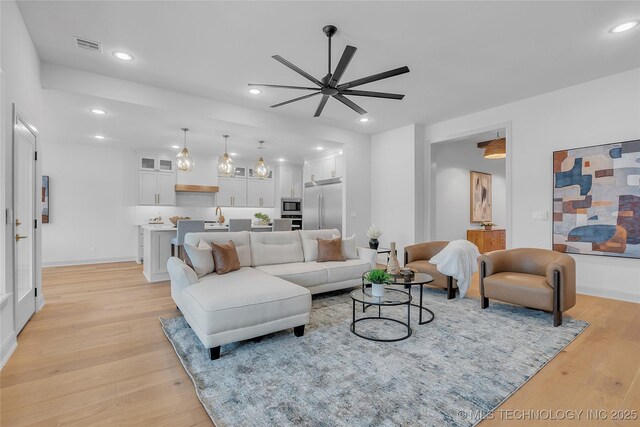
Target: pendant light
[
  {"x": 496, "y": 149},
  {"x": 261, "y": 169},
  {"x": 184, "y": 162},
  {"x": 225, "y": 164}
]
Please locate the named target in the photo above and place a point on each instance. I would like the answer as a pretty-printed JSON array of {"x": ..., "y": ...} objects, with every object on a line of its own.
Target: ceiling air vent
[{"x": 88, "y": 44}]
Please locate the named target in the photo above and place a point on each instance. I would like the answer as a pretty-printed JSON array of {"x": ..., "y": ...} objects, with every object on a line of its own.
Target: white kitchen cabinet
[
  {"x": 339, "y": 166},
  {"x": 232, "y": 192},
  {"x": 313, "y": 170},
  {"x": 155, "y": 162},
  {"x": 156, "y": 188},
  {"x": 290, "y": 184},
  {"x": 260, "y": 193},
  {"x": 330, "y": 165}
]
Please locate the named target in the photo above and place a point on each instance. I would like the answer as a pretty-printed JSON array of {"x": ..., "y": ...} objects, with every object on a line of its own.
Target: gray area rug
[{"x": 463, "y": 364}]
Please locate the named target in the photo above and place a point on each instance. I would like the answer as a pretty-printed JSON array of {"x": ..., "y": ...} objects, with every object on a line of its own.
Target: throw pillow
[
  {"x": 348, "y": 246},
  {"x": 330, "y": 250},
  {"x": 199, "y": 258},
  {"x": 225, "y": 257}
]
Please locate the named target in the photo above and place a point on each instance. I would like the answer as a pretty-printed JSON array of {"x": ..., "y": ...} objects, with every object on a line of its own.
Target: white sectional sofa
[{"x": 271, "y": 291}]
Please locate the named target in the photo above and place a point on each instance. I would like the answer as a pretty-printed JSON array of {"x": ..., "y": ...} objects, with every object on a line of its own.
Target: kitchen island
[{"x": 157, "y": 247}]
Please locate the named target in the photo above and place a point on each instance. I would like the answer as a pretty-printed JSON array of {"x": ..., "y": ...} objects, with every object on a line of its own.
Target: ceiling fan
[{"x": 329, "y": 85}]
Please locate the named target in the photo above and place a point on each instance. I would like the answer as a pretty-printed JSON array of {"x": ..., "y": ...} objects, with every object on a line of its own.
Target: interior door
[{"x": 24, "y": 201}]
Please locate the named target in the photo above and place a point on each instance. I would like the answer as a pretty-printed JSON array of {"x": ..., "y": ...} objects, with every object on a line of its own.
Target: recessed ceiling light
[
  {"x": 233, "y": 154},
  {"x": 625, "y": 26},
  {"x": 175, "y": 147},
  {"x": 98, "y": 136},
  {"x": 364, "y": 119},
  {"x": 254, "y": 91},
  {"x": 98, "y": 111},
  {"x": 319, "y": 148},
  {"x": 123, "y": 55},
  {"x": 281, "y": 159}
]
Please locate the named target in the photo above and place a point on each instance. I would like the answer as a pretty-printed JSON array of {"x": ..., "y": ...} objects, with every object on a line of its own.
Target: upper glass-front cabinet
[{"x": 155, "y": 163}]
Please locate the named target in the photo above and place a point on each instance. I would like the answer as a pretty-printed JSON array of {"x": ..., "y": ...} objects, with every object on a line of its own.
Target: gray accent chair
[
  {"x": 185, "y": 226},
  {"x": 282, "y": 224},
  {"x": 239, "y": 225}
]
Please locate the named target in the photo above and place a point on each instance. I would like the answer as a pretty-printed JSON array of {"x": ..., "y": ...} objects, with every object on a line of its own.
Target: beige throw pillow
[
  {"x": 225, "y": 257},
  {"x": 349, "y": 249},
  {"x": 199, "y": 258},
  {"x": 330, "y": 250}
]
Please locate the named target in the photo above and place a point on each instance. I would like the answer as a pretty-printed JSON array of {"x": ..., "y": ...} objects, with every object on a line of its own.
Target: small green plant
[
  {"x": 378, "y": 276},
  {"x": 262, "y": 217}
]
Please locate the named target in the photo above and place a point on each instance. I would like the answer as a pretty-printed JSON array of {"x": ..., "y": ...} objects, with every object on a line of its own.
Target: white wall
[
  {"x": 93, "y": 194},
  {"x": 396, "y": 186},
  {"x": 597, "y": 112},
  {"x": 452, "y": 163},
  {"x": 21, "y": 68}
]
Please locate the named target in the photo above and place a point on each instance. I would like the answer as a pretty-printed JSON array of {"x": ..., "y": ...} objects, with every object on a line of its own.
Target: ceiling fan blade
[
  {"x": 323, "y": 102},
  {"x": 346, "y": 57},
  {"x": 372, "y": 94},
  {"x": 374, "y": 78},
  {"x": 349, "y": 103},
  {"x": 298, "y": 70},
  {"x": 284, "y": 86},
  {"x": 295, "y": 99}
]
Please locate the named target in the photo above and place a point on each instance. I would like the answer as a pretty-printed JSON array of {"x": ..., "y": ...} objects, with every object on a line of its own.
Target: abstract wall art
[
  {"x": 596, "y": 200},
  {"x": 45, "y": 199},
  {"x": 480, "y": 197}
]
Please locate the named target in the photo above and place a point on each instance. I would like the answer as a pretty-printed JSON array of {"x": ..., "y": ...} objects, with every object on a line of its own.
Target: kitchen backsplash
[{"x": 143, "y": 213}]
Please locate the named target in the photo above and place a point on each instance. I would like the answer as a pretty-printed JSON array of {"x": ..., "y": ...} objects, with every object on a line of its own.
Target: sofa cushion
[
  {"x": 525, "y": 289},
  {"x": 225, "y": 257},
  {"x": 309, "y": 243},
  {"x": 349, "y": 248},
  {"x": 330, "y": 250},
  {"x": 199, "y": 258},
  {"x": 301, "y": 273},
  {"x": 339, "y": 271},
  {"x": 243, "y": 298},
  {"x": 276, "y": 247},
  {"x": 240, "y": 238}
]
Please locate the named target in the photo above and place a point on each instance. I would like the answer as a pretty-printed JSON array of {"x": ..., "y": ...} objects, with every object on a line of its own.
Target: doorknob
[
  {"x": 18, "y": 237},
  {"x": 18, "y": 222}
]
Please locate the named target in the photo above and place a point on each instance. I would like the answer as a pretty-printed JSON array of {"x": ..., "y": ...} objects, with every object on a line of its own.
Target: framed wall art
[
  {"x": 480, "y": 197},
  {"x": 596, "y": 200},
  {"x": 45, "y": 199}
]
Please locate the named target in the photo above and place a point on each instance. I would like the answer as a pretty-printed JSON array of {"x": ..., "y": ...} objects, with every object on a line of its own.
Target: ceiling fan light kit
[
  {"x": 184, "y": 162},
  {"x": 329, "y": 85}
]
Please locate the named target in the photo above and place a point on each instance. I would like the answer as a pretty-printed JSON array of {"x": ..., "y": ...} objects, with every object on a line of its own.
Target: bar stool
[
  {"x": 282, "y": 224},
  {"x": 185, "y": 226},
  {"x": 239, "y": 225}
]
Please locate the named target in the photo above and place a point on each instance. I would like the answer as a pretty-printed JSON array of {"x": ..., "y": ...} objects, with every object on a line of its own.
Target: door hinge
[
  {"x": 36, "y": 155},
  {"x": 36, "y": 291},
  {"x": 35, "y": 223}
]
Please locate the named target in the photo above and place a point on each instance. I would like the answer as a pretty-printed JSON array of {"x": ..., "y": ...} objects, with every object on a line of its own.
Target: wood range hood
[{"x": 184, "y": 188}]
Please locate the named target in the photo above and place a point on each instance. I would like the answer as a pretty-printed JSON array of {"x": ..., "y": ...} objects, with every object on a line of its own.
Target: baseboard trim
[
  {"x": 8, "y": 347},
  {"x": 64, "y": 263},
  {"x": 602, "y": 293}
]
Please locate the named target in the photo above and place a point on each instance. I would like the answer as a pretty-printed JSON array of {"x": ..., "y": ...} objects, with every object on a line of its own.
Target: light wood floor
[{"x": 96, "y": 355}]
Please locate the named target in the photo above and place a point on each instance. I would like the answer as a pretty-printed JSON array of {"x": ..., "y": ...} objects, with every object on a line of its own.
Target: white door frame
[{"x": 19, "y": 119}]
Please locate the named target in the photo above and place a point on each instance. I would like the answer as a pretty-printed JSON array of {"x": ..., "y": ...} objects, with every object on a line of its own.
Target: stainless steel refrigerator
[{"x": 322, "y": 204}]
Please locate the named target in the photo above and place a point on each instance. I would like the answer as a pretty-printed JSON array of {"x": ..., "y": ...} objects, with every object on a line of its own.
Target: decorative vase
[
  {"x": 373, "y": 244},
  {"x": 393, "y": 266},
  {"x": 377, "y": 289}
]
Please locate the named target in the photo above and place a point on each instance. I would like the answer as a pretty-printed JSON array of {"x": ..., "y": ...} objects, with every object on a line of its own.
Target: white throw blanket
[{"x": 459, "y": 259}]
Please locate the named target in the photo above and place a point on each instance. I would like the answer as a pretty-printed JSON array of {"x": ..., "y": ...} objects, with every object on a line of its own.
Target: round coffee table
[
  {"x": 392, "y": 297},
  {"x": 420, "y": 279}
]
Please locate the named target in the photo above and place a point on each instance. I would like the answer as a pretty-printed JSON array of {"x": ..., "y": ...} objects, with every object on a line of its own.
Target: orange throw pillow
[
  {"x": 330, "y": 250},
  {"x": 225, "y": 257}
]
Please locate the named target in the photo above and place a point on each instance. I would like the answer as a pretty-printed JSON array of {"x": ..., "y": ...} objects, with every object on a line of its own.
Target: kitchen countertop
[{"x": 212, "y": 227}]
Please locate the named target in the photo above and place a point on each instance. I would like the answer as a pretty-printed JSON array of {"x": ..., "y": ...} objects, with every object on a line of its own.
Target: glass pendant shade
[
  {"x": 225, "y": 163},
  {"x": 261, "y": 169},
  {"x": 496, "y": 149},
  {"x": 184, "y": 162}
]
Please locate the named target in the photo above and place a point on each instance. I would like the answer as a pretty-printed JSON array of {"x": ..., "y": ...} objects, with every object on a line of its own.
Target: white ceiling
[
  {"x": 463, "y": 56},
  {"x": 68, "y": 120}
]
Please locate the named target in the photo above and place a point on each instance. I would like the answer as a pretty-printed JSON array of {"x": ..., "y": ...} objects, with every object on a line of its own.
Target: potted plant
[
  {"x": 373, "y": 234},
  {"x": 262, "y": 218},
  {"x": 378, "y": 278},
  {"x": 488, "y": 225}
]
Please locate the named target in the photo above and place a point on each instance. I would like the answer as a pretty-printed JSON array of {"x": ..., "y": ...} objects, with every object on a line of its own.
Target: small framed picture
[{"x": 45, "y": 199}]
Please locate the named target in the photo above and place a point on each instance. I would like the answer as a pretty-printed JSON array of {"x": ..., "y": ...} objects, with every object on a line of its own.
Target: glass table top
[{"x": 391, "y": 297}]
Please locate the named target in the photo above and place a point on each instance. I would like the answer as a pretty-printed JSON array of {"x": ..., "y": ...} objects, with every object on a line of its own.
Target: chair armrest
[
  {"x": 565, "y": 265},
  {"x": 495, "y": 262},
  {"x": 423, "y": 251},
  {"x": 180, "y": 273},
  {"x": 367, "y": 254}
]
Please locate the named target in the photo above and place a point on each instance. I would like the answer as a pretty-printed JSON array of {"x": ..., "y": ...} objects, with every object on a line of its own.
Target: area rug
[{"x": 452, "y": 371}]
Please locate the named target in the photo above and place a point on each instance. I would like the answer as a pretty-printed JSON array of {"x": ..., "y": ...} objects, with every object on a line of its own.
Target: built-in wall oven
[{"x": 291, "y": 206}]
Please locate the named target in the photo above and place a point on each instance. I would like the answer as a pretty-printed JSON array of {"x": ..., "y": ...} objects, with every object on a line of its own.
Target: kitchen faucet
[{"x": 220, "y": 216}]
